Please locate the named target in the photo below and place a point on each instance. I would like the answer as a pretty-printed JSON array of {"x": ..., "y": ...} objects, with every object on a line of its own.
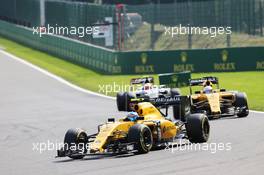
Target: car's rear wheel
[
  {"x": 76, "y": 141},
  {"x": 198, "y": 128},
  {"x": 120, "y": 101},
  {"x": 123, "y": 100},
  {"x": 241, "y": 104},
  {"x": 141, "y": 136}
]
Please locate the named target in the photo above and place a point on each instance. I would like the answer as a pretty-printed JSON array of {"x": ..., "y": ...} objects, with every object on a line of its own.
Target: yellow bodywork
[
  {"x": 118, "y": 130},
  {"x": 214, "y": 99}
]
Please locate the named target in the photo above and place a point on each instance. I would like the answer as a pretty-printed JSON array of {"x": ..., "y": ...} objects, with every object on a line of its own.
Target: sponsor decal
[
  {"x": 224, "y": 55},
  {"x": 224, "y": 65},
  {"x": 202, "y": 80},
  {"x": 144, "y": 58},
  {"x": 260, "y": 65},
  {"x": 144, "y": 68},
  {"x": 175, "y": 82},
  {"x": 183, "y": 57},
  {"x": 142, "y": 80},
  {"x": 174, "y": 78},
  {"x": 183, "y": 67},
  {"x": 116, "y": 69},
  {"x": 166, "y": 100}
]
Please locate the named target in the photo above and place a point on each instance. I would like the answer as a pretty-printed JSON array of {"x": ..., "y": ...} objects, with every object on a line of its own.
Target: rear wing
[
  {"x": 143, "y": 80},
  {"x": 162, "y": 101},
  {"x": 200, "y": 81}
]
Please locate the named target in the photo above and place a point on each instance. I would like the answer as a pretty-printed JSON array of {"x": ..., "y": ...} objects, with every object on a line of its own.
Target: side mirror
[
  {"x": 111, "y": 120},
  {"x": 197, "y": 92},
  {"x": 222, "y": 90}
]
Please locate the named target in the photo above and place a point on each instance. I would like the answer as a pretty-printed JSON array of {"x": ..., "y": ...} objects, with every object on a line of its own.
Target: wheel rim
[
  {"x": 146, "y": 138},
  {"x": 81, "y": 141},
  {"x": 81, "y": 138},
  {"x": 206, "y": 129}
]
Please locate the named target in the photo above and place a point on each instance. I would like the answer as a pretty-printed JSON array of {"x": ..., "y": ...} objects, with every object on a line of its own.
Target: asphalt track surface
[{"x": 36, "y": 108}]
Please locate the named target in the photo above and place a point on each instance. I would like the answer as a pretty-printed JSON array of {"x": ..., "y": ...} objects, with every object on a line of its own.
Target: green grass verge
[{"x": 250, "y": 82}]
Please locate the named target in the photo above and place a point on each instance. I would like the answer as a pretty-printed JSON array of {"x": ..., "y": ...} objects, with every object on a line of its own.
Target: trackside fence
[
  {"x": 92, "y": 57},
  {"x": 107, "y": 61}
]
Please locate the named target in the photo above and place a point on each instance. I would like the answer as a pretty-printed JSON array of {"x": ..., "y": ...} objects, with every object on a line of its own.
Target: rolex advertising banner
[
  {"x": 209, "y": 60},
  {"x": 173, "y": 80}
]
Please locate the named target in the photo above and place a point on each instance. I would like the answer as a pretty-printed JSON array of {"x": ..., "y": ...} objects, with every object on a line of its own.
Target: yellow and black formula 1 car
[
  {"x": 214, "y": 103},
  {"x": 143, "y": 88},
  {"x": 140, "y": 131}
]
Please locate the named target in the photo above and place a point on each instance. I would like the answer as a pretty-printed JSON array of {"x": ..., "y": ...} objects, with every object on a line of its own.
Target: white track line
[
  {"x": 257, "y": 112},
  {"x": 61, "y": 80}
]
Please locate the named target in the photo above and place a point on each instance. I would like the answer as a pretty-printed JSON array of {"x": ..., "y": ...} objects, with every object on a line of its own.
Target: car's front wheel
[
  {"x": 76, "y": 141},
  {"x": 141, "y": 136},
  {"x": 198, "y": 128},
  {"x": 241, "y": 104}
]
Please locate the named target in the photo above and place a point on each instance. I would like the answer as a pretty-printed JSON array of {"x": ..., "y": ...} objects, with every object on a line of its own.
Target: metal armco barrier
[{"x": 107, "y": 61}]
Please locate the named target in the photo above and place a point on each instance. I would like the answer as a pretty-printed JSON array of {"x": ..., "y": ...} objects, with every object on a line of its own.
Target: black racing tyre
[
  {"x": 76, "y": 138},
  {"x": 241, "y": 104},
  {"x": 175, "y": 91},
  {"x": 198, "y": 128},
  {"x": 142, "y": 137},
  {"x": 123, "y": 101}
]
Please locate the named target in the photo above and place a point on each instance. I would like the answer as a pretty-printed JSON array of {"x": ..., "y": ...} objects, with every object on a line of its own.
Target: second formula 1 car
[
  {"x": 143, "y": 88},
  {"x": 213, "y": 101},
  {"x": 140, "y": 131}
]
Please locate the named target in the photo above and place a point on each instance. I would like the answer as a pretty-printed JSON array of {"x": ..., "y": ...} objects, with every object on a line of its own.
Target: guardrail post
[
  {"x": 228, "y": 40},
  {"x": 261, "y": 17},
  {"x": 42, "y": 12},
  {"x": 190, "y": 24}
]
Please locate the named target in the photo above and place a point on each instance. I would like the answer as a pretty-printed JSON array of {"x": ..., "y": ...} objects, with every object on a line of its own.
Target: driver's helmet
[
  {"x": 147, "y": 86},
  {"x": 132, "y": 116},
  {"x": 207, "y": 87}
]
